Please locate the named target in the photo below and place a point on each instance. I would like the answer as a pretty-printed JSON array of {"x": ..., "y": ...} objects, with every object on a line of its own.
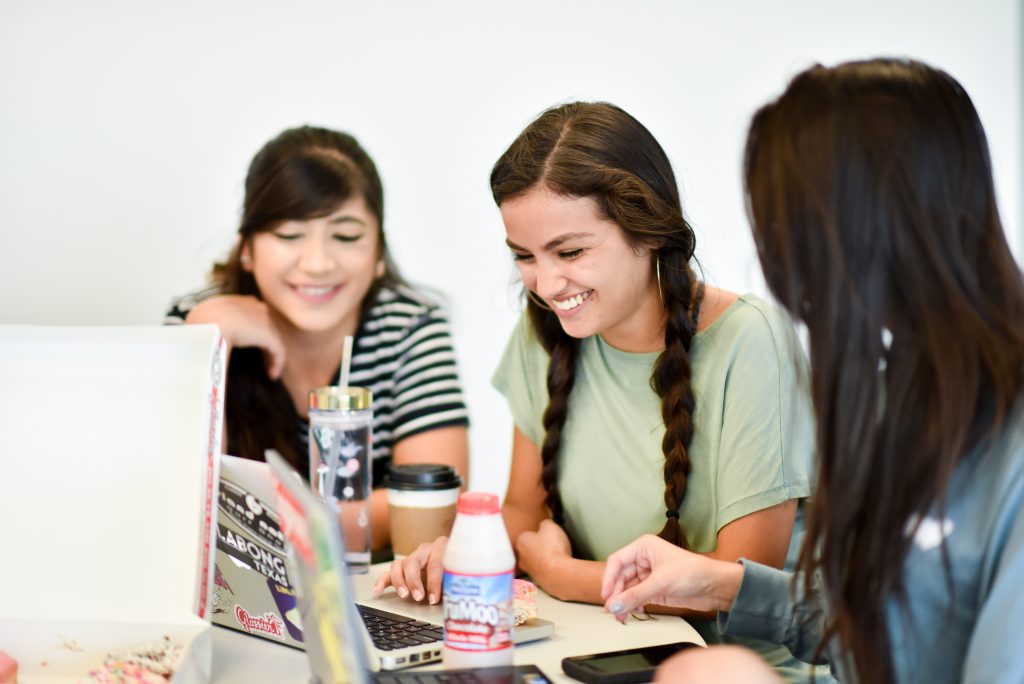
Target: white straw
[{"x": 346, "y": 361}]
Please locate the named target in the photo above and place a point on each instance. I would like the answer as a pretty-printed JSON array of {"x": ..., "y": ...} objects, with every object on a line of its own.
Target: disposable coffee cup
[{"x": 421, "y": 503}]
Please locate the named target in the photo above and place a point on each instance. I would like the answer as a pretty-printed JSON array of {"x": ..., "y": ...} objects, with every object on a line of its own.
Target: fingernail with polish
[
  {"x": 403, "y": 592},
  {"x": 616, "y": 608},
  {"x": 417, "y": 594}
]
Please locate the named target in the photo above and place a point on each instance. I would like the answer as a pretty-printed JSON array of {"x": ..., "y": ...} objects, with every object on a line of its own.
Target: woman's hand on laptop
[{"x": 418, "y": 575}]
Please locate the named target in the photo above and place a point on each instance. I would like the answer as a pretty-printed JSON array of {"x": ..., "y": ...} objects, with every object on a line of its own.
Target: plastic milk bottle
[{"x": 478, "y": 570}]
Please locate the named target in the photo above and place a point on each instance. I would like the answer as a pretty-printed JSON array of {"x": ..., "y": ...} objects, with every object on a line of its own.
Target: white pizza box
[
  {"x": 109, "y": 456},
  {"x": 62, "y": 651}
]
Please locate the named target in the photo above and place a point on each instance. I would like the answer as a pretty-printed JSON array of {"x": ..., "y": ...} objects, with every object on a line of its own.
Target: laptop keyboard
[{"x": 390, "y": 631}]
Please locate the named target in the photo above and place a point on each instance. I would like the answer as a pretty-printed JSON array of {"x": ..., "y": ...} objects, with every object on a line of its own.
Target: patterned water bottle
[{"x": 340, "y": 463}]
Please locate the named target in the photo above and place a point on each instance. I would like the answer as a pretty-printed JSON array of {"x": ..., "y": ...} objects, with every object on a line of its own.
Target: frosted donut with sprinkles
[
  {"x": 524, "y": 601},
  {"x": 149, "y": 664}
]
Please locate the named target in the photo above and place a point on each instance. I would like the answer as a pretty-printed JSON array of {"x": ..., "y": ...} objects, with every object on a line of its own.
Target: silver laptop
[
  {"x": 338, "y": 643},
  {"x": 255, "y": 587},
  {"x": 253, "y": 592}
]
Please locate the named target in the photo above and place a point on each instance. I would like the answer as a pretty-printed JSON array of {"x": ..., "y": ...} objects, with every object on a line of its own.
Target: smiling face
[
  {"x": 578, "y": 262},
  {"x": 315, "y": 273}
]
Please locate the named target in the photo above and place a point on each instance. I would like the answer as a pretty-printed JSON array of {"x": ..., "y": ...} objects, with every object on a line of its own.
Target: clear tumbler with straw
[{"x": 340, "y": 437}]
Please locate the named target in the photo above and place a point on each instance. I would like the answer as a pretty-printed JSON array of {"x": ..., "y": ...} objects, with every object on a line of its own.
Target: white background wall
[{"x": 126, "y": 127}]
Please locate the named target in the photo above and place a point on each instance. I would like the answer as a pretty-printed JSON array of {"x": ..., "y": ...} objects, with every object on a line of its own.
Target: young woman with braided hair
[{"x": 643, "y": 400}]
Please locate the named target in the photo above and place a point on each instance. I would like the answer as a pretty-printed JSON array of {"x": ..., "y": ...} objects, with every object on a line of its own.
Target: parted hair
[
  {"x": 599, "y": 151},
  {"x": 303, "y": 173},
  {"x": 873, "y": 208}
]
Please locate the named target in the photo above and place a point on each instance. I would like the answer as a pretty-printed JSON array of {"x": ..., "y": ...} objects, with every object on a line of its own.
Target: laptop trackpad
[{"x": 532, "y": 630}]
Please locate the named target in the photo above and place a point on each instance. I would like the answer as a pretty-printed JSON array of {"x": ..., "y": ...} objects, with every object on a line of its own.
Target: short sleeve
[
  {"x": 181, "y": 306},
  {"x": 427, "y": 390},
  {"x": 767, "y": 436},
  {"x": 521, "y": 379}
]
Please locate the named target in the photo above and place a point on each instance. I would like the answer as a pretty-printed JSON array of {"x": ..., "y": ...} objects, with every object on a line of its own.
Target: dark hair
[
  {"x": 301, "y": 174},
  {"x": 873, "y": 209},
  {"x": 599, "y": 151}
]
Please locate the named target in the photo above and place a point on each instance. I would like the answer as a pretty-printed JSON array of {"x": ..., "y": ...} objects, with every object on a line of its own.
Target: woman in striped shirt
[{"x": 311, "y": 266}]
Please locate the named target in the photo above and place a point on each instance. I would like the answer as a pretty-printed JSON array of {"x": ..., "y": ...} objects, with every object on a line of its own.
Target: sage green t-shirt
[
  {"x": 752, "y": 444},
  {"x": 753, "y": 430}
]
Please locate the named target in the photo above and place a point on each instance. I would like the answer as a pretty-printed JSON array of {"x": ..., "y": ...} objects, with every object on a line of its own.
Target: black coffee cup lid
[{"x": 422, "y": 477}]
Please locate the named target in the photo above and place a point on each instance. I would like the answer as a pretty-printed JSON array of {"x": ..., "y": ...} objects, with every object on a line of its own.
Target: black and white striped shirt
[{"x": 403, "y": 353}]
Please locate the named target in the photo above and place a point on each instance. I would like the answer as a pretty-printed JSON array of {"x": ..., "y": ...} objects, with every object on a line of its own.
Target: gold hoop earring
[
  {"x": 537, "y": 300},
  {"x": 657, "y": 273}
]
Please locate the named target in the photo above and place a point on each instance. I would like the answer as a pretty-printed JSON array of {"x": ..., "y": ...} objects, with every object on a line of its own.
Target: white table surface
[{"x": 579, "y": 629}]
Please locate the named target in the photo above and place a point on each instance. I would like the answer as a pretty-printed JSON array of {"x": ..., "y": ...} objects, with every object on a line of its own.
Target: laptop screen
[{"x": 333, "y": 637}]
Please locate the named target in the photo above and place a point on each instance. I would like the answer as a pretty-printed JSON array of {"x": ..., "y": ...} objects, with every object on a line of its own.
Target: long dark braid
[
  {"x": 561, "y": 377},
  {"x": 671, "y": 380},
  {"x": 598, "y": 150}
]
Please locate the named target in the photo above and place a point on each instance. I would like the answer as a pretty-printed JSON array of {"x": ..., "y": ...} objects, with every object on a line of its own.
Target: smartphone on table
[{"x": 629, "y": 666}]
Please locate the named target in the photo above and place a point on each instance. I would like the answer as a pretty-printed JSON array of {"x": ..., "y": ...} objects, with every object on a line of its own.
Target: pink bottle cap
[{"x": 478, "y": 503}]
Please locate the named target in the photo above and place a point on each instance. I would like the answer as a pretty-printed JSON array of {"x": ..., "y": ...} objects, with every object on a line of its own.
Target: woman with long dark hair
[
  {"x": 873, "y": 210},
  {"x": 643, "y": 399},
  {"x": 311, "y": 266}
]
